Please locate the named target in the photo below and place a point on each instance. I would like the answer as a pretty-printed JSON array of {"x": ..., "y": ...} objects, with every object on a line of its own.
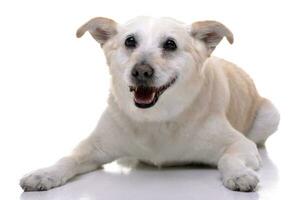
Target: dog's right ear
[
  {"x": 211, "y": 33},
  {"x": 102, "y": 29}
]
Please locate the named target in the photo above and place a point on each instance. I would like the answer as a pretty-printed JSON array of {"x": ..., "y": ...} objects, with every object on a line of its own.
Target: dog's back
[{"x": 244, "y": 98}]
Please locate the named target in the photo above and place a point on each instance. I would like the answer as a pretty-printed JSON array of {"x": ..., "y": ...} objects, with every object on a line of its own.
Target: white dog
[{"x": 171, "y": 103}]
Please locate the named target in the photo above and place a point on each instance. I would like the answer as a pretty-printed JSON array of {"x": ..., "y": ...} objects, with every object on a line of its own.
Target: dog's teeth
[{"x": 132, "y": 88}]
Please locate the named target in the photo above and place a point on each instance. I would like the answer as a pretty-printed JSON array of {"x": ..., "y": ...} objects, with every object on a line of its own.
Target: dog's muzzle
[{"x": 147, "y": 96}]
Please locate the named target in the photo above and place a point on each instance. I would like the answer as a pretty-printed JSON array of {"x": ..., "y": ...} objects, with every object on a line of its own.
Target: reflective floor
[{"x": 144, "y": 182}]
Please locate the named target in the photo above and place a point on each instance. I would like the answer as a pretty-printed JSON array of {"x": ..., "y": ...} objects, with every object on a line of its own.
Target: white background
[{"x": 53, "y": 86}]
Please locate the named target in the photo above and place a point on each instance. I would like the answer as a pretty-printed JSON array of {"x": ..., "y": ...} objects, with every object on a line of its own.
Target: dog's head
[{"x": 155, "y": 63}]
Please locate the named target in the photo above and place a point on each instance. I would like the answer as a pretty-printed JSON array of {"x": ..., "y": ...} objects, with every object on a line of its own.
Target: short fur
[{"x": 212, "y": 114}]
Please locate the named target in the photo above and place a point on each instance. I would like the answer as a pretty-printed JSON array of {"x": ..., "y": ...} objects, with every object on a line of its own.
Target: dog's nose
[{"x": 142, "y": 72}]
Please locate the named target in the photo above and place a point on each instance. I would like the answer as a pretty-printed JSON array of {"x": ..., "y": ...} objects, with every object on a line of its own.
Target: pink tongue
[{"x": 144, "y": 95}]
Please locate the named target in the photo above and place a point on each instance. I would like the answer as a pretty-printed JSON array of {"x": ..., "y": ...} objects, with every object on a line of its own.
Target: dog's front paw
[
  {"x": 241, "y": 181},
  {"x": 40, "y": 180}
]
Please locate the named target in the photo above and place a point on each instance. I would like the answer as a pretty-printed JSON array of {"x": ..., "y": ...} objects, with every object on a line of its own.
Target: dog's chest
[{"x": 167, "y": 143}]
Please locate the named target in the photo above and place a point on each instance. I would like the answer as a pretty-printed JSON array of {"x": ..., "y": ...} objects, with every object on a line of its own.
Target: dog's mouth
[{"x": 147, "y": 96}]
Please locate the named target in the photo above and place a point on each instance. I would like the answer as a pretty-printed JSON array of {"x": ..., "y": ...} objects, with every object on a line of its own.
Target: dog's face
[{"x": 155, "y": 63}]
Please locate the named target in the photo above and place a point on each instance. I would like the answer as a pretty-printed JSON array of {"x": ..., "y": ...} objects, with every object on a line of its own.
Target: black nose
[{"x": 142, "y": 72}]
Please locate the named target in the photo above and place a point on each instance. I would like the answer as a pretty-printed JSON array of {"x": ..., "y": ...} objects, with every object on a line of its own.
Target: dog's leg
[
  {"x": 238, "y": 165},
  {"x": 265, "y": 123},
  {"x": 238, "y": 158},
  {"x": 99, "y": 148}
]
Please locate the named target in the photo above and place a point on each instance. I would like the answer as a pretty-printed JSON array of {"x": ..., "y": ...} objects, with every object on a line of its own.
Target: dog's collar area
[{"x": 147, "y": 96}]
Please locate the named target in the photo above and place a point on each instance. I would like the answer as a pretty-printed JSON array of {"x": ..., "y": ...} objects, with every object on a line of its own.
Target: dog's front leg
[
  {"x": 237, "y": 158},
  {"x": 238, "y": 164},
  {"x": 99, "y": 148}
]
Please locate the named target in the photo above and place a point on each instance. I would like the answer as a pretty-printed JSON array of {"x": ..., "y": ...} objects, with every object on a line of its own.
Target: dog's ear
[
  {"x": 102, "y": 29},
  {"x": 211, "y": 33}
]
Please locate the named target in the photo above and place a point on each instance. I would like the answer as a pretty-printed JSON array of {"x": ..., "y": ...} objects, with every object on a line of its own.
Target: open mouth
[{"x": 147, "y": 96}]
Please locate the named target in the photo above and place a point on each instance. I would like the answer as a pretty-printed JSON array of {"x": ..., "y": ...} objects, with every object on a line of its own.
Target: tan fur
[
  {"x": 228, "y": 89},
  {"x": 244, "y": 98}
]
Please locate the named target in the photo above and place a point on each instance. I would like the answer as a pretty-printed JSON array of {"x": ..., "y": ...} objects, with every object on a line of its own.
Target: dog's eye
[
  {"x": 130, "y": 42},
  {"x": 170, "y": 45}
]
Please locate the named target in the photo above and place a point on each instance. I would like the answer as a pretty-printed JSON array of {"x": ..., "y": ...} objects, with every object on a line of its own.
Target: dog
[{"x": 171, "y": 103}]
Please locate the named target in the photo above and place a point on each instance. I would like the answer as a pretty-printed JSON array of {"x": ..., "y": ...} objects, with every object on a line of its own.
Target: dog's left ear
[
  {"x": 211, "y": 33},
  {"x": 102, "y": 29}
]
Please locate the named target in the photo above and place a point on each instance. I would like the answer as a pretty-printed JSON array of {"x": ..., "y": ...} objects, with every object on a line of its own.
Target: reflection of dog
[{"x": 170, "y": 103}]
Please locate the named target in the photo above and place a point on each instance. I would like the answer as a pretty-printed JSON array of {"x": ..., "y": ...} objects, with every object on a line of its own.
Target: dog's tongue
[{"x": 144, "y": 95}]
